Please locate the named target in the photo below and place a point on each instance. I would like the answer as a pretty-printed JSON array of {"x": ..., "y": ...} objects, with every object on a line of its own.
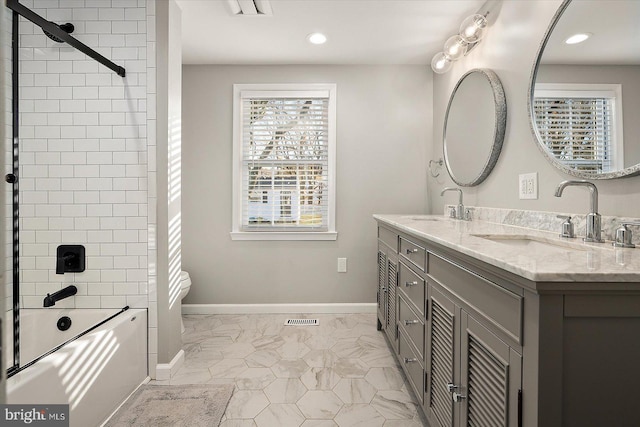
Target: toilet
[{"x": 185, "y": 286}]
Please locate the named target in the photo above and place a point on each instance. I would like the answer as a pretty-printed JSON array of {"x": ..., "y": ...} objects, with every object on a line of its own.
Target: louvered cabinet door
[
  {"x": 441, "y": 358},
  {"x": 382, "y": 289},
  {"x": 392, "y": 303},
  {"x": 491, "y": 375}
]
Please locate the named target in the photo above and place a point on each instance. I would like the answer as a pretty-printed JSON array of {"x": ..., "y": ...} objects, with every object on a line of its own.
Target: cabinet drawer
[
  {"x": 497, "y": 304},
  {"x": 388, "y": 237},
  {"x": 412, "y": 325},
  {"x": 414, "y": 253},
  {"x": 412, "y": 366},
  {"x": 413, "y": 287}
]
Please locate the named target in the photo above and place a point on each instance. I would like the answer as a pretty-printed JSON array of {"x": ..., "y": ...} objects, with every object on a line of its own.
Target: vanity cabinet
[
  {"x": 483, "y": 346},
  {"x": 387, "y": 284}
]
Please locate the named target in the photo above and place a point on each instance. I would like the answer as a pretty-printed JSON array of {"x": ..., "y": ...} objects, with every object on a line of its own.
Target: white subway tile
[
  {"x": 126, "y": 236},
  {"x": 112, "y": 145},
  {"x": 113, "y": 249},
  {"x": 35, "y": 224},
  {"x": 63, "y": 119},
  {"x": 113, "y": 197},
  {"x": 125, "y": 210},
  {"x": 100, "y": 184},
  {"x": 61, "y": 224},
  {"x": 73, "y": 106},
  {"x": 59, "y": 67},
  {"x": 85, "y": 301},
  {"x": 84, "y": 14},
  {"x": 86, "y": 197},
  {"x": 115, "y": 223},
  {"x": 113, "y": 301},
  {"x": 112, "y": 171},
  {"x": 126, "y": 262},
  {"x": 98, "y": 105},
  {"x": 86, "y": 223},
  {"x": 100, "y": 236},
  {"x": 112, "y": 118},
  {"x": 48, "y": 131},
  {"x": 135, "y": 40},
  {"x": 125, "y": 183},
  {"x": 75, "y": 210},
  {"x": 116, "y": 276},
  {"x": 124, "y": 27},
  {"x": 100, "y": 288},
  {"x": 98, "y": 27},
  {"x": 35, "y": 249},
  {"x": 48, "y": 236},
  {"x": 82, "y": 171},
  {"x": 43, "y": 263},
  {"x": 136, "y": 248},
  {"x": 60, "y": 144},
  {"x": 111, "y": 14},
  {"x": 99, "y": 210},
  {"x": 72, "y": 184},
  {"x": 60, "y": 197},
  {"x": 47, "y": 158},
  {"x": 35, "y": 118},
  {"x": 47, "y": 184},
  {"x": 43, "y": 79},
  {"x": 111, "y": 93},
  {"x": 100, "y": 263},
  {"x": 125, "y": 288},
  {"x": 59, "y": 93},
  {"x": 100, "y": 131},
  {"x": 73, "y": 236},
  {"x": 87, "y": 145},
  {"x": 74, "y": 158},
  {"x": 44, "y": 105},
  {"x": 99, "y": 158},
  {"x": 85, "y": 119},
  {"x": 61, "y": 171},
  {"x": 85, "y": 93},
  {"x": 73, "y": 80},
  {"x": 99, "y": 79},
  {"x": 111, "y": 40},
  {"x": 47, "y": 211}
]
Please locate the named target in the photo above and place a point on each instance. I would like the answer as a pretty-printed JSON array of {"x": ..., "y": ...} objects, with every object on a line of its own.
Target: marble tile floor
[{"x": 340, "y": 373}]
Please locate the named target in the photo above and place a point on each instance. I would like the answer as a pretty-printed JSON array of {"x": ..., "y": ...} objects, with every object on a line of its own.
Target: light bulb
[
  {"x": 578, "y": 38},
  {"x": 455, "y": 47},
  {"x": 473, "y": 28},
  {"x": 440, "y": 63},
  {"x": 317, "y": 38}
]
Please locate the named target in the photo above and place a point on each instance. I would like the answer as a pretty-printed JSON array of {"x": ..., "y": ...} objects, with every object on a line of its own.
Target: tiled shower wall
[
  {"x": 5, "y": 39},
  {"x": 84, "y": 158}
]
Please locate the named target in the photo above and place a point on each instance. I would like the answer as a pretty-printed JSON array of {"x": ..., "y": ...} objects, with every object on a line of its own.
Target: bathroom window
[
  {"x": 284, "y": 150},
  {"x": 581, "y": 124}
]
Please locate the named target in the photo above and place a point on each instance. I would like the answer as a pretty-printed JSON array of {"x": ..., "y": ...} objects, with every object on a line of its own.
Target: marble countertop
[{"x": 536, "y": 255}]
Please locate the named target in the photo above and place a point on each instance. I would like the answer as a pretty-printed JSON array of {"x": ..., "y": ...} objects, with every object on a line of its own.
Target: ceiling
[{"x": 358, "y": 31}]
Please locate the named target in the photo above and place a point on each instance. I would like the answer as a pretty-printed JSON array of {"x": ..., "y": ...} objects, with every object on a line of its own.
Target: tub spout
[{"x": 50, "y": 299}]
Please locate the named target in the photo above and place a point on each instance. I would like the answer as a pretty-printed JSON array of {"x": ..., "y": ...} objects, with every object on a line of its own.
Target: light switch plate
[
  {"x": 342, "y": 265},
  {"x": 528, "y": 185}
]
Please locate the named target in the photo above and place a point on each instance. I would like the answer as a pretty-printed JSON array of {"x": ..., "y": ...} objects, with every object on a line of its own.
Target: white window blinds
[
  {"x": 286, "y": 161},
  {"x": 577, "y": 131}
]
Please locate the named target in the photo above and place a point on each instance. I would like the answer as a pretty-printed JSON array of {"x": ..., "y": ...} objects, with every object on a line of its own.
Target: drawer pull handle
[
  {"x": 451, "y": 387},
  {"x": 410, "y": 322},
  {"x": 412, "y": 251},
  {"x": 410, "y": 360},
  {"x": 457, "y": 397},
  {"x": 409, "y": 284}
]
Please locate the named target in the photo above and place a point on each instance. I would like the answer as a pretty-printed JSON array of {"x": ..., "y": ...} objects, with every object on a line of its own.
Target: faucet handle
[
  {"x": 624, "y": 235},
  {"x": 567, "y": 227},
  {"x": 468, "y": 214}
]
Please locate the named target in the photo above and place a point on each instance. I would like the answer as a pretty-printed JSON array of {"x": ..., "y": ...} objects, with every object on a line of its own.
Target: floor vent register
[{"x": 302, "y": 322}]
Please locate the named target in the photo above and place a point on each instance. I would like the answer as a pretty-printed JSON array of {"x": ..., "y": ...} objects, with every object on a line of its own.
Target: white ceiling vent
[{"x": 250, "y": 7}]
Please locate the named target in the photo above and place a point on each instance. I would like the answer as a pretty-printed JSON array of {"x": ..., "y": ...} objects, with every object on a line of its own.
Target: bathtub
[{"x": 94, "y": 374}]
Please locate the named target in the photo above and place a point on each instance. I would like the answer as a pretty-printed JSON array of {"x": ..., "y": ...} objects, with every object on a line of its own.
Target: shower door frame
[{"x": 13, "y": 177}]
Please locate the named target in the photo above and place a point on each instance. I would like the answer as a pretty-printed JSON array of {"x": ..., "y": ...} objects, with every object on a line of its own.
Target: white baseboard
[
  {"x": 279, "y": 308},
  {"x": 165, "y": 371}
]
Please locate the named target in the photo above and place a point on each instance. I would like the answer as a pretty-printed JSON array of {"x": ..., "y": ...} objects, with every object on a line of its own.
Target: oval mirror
[
  {"x": 585, "y": 90},
  {"x": 474, "y": 127}
]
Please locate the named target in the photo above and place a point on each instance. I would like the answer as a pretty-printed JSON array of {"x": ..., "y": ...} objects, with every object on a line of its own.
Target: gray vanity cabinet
[
  {"x": 474, "y": 377},
  {"x": 387, "y": 284}
]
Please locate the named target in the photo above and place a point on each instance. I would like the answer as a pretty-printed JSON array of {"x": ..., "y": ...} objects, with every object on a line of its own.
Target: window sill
[{"x": 281, "y": 235}]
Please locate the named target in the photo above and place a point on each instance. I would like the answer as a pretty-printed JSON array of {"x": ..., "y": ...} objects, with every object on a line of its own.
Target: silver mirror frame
[
  {"x": 500, "y": 125},
  {"x": 629, "y": 171}
]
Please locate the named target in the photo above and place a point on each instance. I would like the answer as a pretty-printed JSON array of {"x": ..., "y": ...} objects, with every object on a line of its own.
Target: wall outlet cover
[
  {"x": 342, "y": 265},
  {"x": 528, "y": 186}
]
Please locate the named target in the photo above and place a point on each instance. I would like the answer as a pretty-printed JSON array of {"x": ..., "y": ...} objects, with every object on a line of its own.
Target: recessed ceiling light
[
  {"x": 317, "y": 38},
  {"x": 578, "y": 38}
]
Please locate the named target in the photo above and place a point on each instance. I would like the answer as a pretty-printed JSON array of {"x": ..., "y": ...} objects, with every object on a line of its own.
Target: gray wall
[
  {"x": 383, "y": 134},
  {"x": 169, "y": 91},
  {"x": 626, "y": 75},
  {"x": 510, "y": 49}
]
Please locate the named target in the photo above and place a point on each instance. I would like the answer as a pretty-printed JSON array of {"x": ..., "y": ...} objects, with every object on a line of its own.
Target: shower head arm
[{"x": 59, "y": 33}]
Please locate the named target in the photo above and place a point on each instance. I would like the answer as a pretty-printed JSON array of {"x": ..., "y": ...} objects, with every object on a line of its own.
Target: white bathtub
[{"x": 93, "y": 374}]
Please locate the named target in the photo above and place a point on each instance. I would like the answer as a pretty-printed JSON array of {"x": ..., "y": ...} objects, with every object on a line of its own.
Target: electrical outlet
[
  {"x": 528, "y": 185},
  {"x": 342, "y": 265}
]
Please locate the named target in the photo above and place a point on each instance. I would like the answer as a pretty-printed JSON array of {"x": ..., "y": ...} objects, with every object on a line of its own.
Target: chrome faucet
[
  {"x": 459, "y": 210},
  {"x": 593, "y": 232}
]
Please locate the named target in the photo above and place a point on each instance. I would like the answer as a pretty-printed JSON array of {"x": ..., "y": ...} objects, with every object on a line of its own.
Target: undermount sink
[
  {"x": 533, "y": 242},
  {"x": 423, "y": 218}
]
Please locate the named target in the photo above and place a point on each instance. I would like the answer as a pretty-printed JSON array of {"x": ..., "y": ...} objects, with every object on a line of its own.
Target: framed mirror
[
  {"x": 474, "y": 127},
  {"x": 585, "y": 90}
]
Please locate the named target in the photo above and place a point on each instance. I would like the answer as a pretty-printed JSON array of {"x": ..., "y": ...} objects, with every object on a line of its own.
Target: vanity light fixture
[
  {"x": 578, "y": 38},
  {"x": 472, "y": 30},
  {"x": 317, "y": 38}
]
